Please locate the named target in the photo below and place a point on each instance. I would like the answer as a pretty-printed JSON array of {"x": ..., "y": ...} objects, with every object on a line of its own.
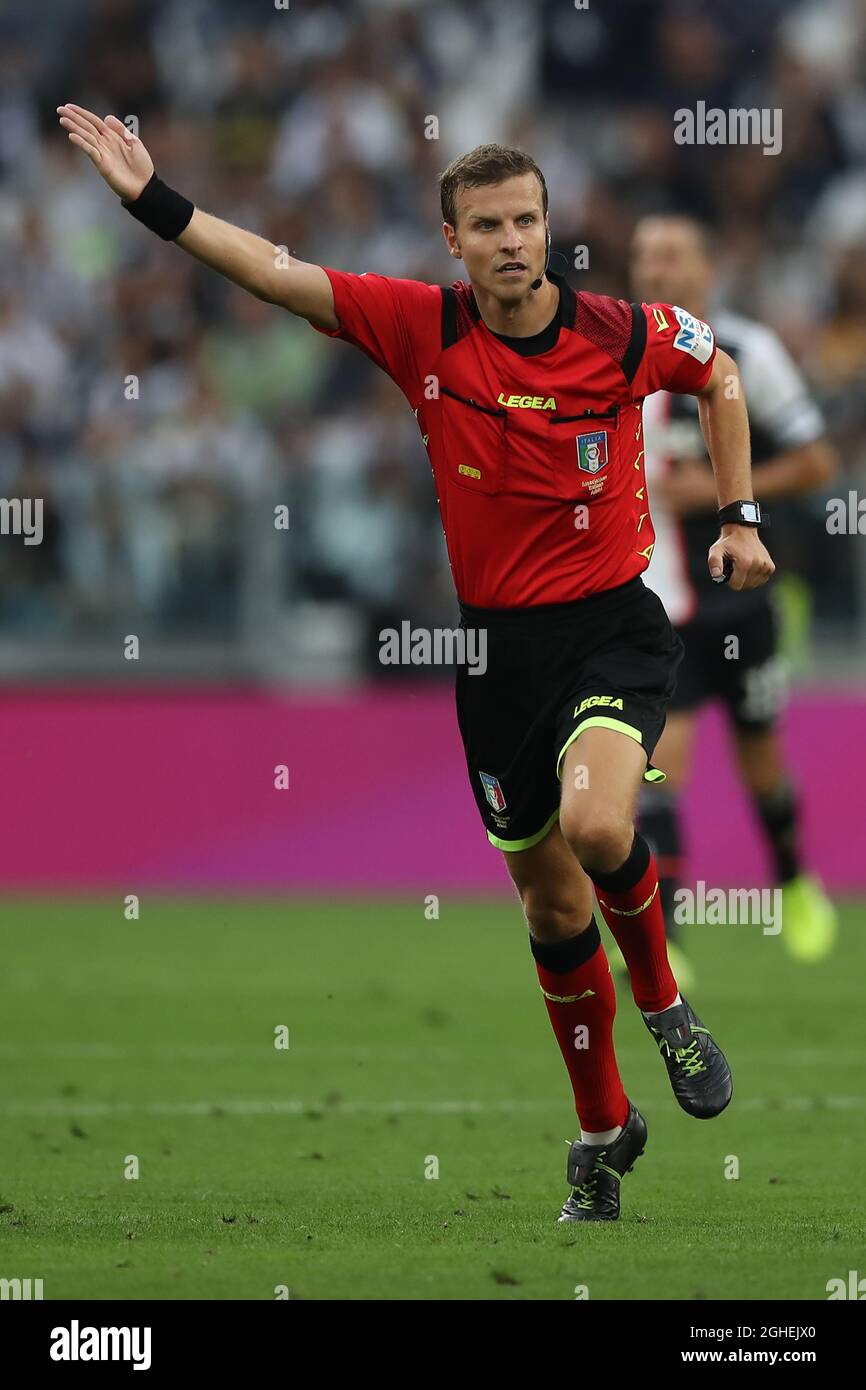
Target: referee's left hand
[{"x": 752, "y": 565}]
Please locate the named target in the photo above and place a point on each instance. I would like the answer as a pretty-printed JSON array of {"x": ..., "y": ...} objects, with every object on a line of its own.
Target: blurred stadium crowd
[{"x": 309, "y": 125}]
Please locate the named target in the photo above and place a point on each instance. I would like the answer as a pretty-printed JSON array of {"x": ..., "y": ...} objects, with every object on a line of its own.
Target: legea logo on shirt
[{"x": 526, "y": 402}]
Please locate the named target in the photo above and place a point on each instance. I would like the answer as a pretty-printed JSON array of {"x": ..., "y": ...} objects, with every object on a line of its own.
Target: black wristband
[
  {"x": 744, "y": 513},
  {"x": 161, "y": 209}
]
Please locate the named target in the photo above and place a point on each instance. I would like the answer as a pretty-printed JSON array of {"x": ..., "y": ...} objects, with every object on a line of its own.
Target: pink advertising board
[{"x": 173, "y": 790}]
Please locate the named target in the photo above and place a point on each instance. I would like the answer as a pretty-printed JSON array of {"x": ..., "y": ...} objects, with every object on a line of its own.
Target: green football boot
[{"x": 809, "y": 922}]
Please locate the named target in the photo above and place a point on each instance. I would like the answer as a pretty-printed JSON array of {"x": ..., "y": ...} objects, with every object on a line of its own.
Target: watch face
[{"x": 750, "y": 512}]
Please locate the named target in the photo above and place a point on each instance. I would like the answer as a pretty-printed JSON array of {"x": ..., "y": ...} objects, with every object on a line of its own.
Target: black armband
[{"x": 161, "y": 209}]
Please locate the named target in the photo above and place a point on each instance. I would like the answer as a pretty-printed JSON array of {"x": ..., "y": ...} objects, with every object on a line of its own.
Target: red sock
[
  {"x": 584, "y": 1025},
  {"x": 631, "y": 906}
]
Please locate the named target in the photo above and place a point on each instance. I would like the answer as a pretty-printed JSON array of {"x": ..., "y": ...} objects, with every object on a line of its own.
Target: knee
[
  {"x": 599, "y": 841},
  {"x": 551, "y": 918}
]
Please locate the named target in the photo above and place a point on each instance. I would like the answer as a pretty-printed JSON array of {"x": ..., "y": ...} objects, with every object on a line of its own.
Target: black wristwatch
[{"x": 743, "y": 513}]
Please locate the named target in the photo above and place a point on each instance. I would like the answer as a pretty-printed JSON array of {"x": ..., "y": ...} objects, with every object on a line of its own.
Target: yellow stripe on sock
[
  {"x": 629, "y": 911},
  {"x": 566, "y": 998}
]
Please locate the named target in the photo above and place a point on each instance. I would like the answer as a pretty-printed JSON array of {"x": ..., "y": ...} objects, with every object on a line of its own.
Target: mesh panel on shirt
[
  {"x": 605, "y": 322},
  {"x": 466, "y": 320}
]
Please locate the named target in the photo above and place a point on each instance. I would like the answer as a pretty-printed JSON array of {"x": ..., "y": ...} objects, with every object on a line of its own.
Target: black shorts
[
  {"x": 609, "y": 660},
  {"x": 748, "y": 675}
]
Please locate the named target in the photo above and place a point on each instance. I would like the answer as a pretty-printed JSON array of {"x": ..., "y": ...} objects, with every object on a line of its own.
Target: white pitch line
[
  {"x": 205, "y": 1052},
  {"x": 96, "y": 1109}
]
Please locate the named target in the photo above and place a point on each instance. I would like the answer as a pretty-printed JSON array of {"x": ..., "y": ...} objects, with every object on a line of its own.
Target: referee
[
  {"x": 671, "y": 258},
  {"x": 528, "y": 397}
]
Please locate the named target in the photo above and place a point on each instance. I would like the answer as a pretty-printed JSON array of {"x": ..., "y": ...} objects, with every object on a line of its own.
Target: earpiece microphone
[{"x": 536, "y": 284}]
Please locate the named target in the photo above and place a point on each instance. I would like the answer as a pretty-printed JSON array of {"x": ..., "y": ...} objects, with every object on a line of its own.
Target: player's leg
[
  {"x": 578, "y": 991},
  {"x": 505, "y": 721},
  {"x": 556, "y": 897},
  {"x": 602, "y": 771},
  {"x": 755, "y": 697},
  {"x": 809, "y": 923}
]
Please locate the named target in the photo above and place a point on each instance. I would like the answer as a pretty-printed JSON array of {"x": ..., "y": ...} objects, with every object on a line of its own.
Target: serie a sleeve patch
[{"x": 694, "y": 337}]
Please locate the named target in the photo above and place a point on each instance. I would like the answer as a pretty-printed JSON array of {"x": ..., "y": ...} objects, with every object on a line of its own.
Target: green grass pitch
[{"x": 409, "y": 1040}]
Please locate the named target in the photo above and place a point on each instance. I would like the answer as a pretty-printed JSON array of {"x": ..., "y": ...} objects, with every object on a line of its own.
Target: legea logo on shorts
[{"x": 591, "y": 700}]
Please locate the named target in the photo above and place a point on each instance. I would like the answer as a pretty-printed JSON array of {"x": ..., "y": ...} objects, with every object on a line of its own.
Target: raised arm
[
  {"x": 250, "y": 261},
  {"x": 267, "y": 271}
]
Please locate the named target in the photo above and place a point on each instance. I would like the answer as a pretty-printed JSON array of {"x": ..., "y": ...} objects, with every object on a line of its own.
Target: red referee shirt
[{"x": 535, "y": 444}]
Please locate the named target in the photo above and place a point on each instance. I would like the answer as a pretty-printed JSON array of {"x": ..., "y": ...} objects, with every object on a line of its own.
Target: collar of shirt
[{"x": 540, "y": 342}]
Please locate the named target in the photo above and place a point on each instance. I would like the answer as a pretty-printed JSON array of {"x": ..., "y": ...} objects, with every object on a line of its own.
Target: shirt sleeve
[
  {"x": 679, "y": 353},
  {"x": 397, "y": 323},
  {"x": 776, "y": 394}
]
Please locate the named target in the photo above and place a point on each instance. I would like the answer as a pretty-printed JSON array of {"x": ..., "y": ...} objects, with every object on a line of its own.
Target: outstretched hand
[{"x": 118, "y": 155}]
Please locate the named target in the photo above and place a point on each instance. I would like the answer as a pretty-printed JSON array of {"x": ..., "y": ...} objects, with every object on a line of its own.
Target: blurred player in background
[
  {"x": 671, "y": 261},
  {"x": 529, "y": 400}
]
